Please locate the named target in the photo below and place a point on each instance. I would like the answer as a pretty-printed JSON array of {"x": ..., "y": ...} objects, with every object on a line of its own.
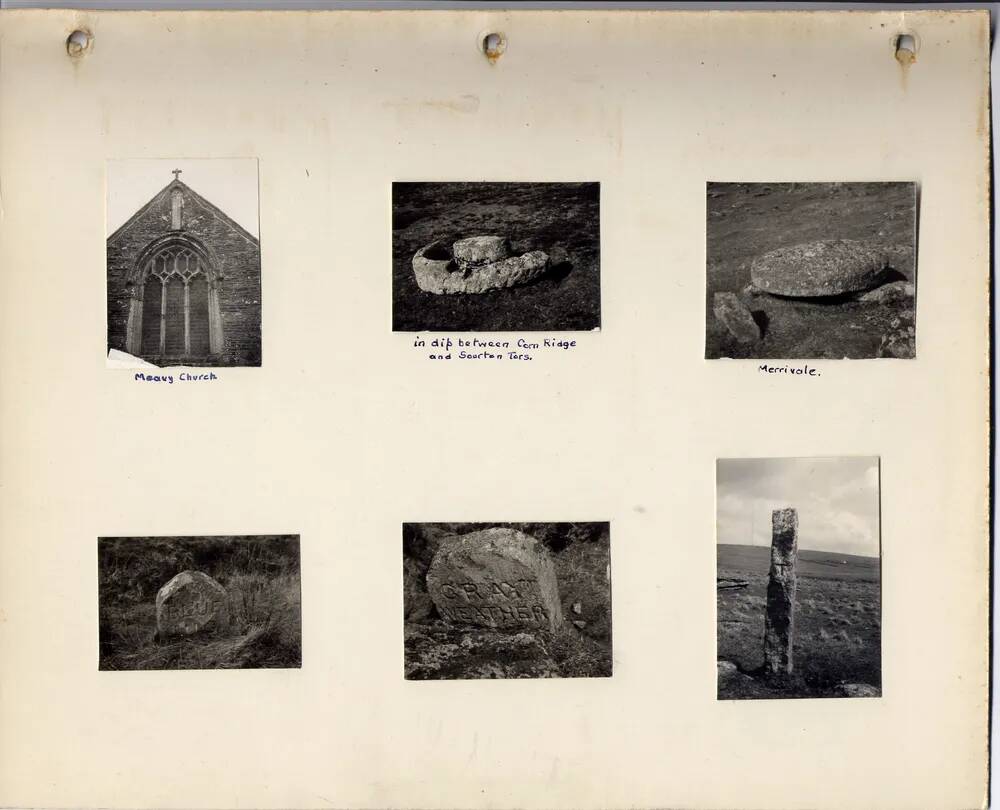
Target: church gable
[
  {"x": 196, "y": 215},
  {"x": 184, "y": 283}
]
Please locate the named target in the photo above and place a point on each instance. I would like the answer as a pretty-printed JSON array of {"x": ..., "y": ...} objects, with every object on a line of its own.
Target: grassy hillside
[
  {"x": 260, "y": 575},
  {"x": 837, "y": 615},
  {"x": 817, "y": 564}
]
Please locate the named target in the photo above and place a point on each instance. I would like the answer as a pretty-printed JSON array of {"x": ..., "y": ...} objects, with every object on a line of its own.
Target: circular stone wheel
[{"x": 814, "y": 269}]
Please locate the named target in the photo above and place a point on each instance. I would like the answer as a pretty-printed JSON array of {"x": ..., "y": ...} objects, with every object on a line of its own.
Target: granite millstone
[
  {"x": 499, "y": 578},
  {"x": 736, "y": 317},
  {"x": 480, "y": 250},
  {"x": 814, "y": 269},
  {"x": 191, "y": 602},
  {"x": 437, "y": 269}
]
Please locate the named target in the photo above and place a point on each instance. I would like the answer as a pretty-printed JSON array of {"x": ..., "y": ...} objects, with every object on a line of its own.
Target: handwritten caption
[
  {"x": 519, "y": 349},
  {"x": 797, "y": 371},
  {"x": 169, "y": 378}
]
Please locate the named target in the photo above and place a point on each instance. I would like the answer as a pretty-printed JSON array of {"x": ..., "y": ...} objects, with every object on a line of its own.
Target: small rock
[
  {"x": 736, "y": 317},
  {"x": 579, "y": 624},
  {"x": 726, "y": 667},
  {"x": 889, "y": 293},
  {"x": 814, "y": 269},
  {"x": 577, "y": 608},
  {"x": 857, "y": 690},
  {"x": 558, "y": 255}
]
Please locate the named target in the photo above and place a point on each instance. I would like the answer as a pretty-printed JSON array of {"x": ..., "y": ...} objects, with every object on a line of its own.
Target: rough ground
[
  {"x": 746, "y": 220},
  {"x": 562, "y": 219},
  {"x": 435, "y": 649},
  {"x": 260, "y": 574},
  {"x": 838, "y": 624}
]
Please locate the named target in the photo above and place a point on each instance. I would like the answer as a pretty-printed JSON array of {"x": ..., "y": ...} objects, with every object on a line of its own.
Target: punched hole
[
  {"x": 494, "y": 44},
  {"x": 78, "y": 42},
  {"x": 906, "y": 47}
]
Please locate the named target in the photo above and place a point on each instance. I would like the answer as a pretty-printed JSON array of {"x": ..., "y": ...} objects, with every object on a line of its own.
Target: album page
[{"x": 494, "y": 409}]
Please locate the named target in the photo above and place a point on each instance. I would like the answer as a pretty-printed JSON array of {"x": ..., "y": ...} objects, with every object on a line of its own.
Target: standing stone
[
  {"x": 499, "y": 578},
  {"x": 736, "y": 317},
  {"x": 190, "y": 603},
  {"x": 829, "y": 267},
  {"x": 779, "y": 622}
]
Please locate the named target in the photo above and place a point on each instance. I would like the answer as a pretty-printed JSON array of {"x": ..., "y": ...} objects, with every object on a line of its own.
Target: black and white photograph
[
  {"x": 183, "y": 263},
  {"x": 811, "y": 270},
  {"x": 496, "y": 257},
  {"x": 208, "y": 602},
  {"x": 798, "y": 578},
  {"x": 506, "y": 600}
]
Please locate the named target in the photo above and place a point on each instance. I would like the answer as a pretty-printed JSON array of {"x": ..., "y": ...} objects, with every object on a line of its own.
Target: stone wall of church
[{"x": 238, "y": 259}]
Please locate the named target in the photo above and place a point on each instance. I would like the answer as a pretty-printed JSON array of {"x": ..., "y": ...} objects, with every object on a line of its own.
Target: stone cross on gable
[{"x": 176, "y": 172}]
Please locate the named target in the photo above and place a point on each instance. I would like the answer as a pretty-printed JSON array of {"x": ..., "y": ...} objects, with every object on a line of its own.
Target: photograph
[
  {"x": 798, "y": 580},
  {"x": 506, "y": 600},
  {"x": 208, "y": 602},
  {"x": 183, "y": 263},
  {"x": 799, "y": 271},
  {"x": 496, "y": 257}
]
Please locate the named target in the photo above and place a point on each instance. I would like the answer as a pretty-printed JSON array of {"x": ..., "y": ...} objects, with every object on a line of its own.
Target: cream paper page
[{"x": 346, "y": 430}]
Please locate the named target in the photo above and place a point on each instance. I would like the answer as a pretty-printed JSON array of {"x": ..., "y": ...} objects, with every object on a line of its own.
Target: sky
[
  {"x": 837, "y": 500},
  {"x": 230, "y": 184}
]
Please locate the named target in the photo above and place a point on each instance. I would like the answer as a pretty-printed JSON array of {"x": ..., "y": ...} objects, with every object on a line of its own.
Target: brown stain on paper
[{"x": 467, "y": 103}]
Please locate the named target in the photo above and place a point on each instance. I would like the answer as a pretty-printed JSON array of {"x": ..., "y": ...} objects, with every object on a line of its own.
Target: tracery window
[{"x": 175, "y": 308}]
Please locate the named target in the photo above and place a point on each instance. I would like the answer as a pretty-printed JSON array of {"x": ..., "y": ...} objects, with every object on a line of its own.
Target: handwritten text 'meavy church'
[{"x": 169, "y": 378}]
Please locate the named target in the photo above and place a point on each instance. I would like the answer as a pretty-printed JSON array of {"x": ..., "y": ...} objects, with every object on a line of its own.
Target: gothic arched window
[{"x": 175, "y": 310}]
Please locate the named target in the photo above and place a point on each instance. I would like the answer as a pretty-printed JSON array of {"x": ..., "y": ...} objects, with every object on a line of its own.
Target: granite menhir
[
  {"x": 499, "y": 578},
  {"x": 779, "y": 621}
]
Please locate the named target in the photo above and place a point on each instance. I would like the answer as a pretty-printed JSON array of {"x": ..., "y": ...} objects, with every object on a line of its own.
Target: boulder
[
  {"x": 479, "y": 250},
  {"x": 814, "y": 269},
  {"x": 439, "y": 271},
  {"x": 498, "y": 578},
  {"x": 191, "y": 602},
  {"x": 889, "y": 293},
  {"x": 733, "y": 314}
]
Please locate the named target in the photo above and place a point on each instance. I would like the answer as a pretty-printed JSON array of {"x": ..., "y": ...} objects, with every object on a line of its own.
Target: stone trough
[{"x": 477, "y": 264}]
